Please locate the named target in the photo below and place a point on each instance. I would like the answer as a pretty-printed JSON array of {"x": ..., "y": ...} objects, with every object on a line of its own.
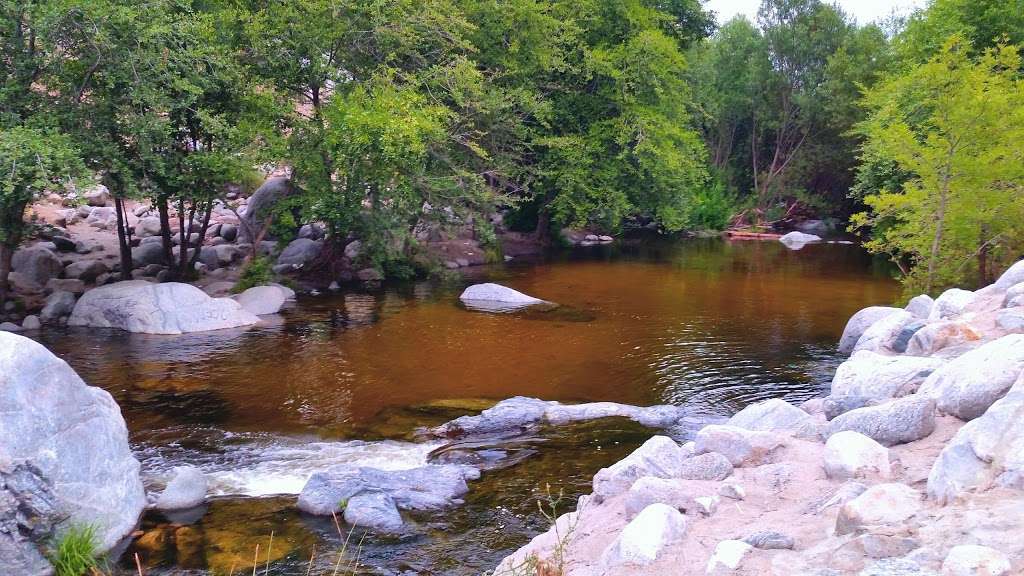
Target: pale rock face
[
  {"x": 1013, "y": 275},
  {"x": 974, "y": 560},
  {"x": 987, "y": 451},
  {"x": 895, "y": 422},
  {"x": 1011, "y": 319},
  {"x": 880, "y": 336},
  {"x": 495, "y": 297},
  {"x": 950, "y": 304},
  {"x": 728, "y": 556},
  {"x": 429, "y": 487},
  {"x": 1014, "y": 296},
  {"x": 849, "y": 454},
  {"x": 776, "y": 415},
  {"x": 709, "y": 466},
  {"x": 860, "y": 322},
  {"x": 261, "y": 300},
  {"x": 36, "y": 264},
  {"x": 170, "y": 308},
  {"x": 874, "y": 376},
  {"x": 880, "y": 505},
  {"x": 645, "y": 538},
  {"x": 73, "y": 434},
  {"x": 187, "y": 489},
  {"x": 937, "y": 336},
  {"x": 732, "y": 491},
  {"x": 659, "y": 457},
  {"x": 921, "y": 306},
  {"x": 653, "y": 490},
  {"x": 968, "y": 385},
  {"x": 740, "y": 446}
]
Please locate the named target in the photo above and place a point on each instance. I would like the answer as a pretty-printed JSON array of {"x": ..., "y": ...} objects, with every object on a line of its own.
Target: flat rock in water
[
  {"x": 424, "y": 488},
  {"x": 73, "y": 434},
  {"x": 170, "y": 308},
  {"x": 521, "y": 412},
  {"x": 492, "y": 297},
  {"x": 797, "y": 240},
  {"x": 262, "y": 300}
]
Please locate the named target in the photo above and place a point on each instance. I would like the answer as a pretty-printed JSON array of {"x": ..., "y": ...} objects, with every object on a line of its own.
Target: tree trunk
[
  {"x": 6, "y": 253},
  {"x": 983, "y": 258},
  {"x": 940, "y": 219},
  {"x": 207, "y": 211},
  {"x": 183, "y": 244},
  {"x": 165, "y": 232},
  {"x": 123, "y": 239}
]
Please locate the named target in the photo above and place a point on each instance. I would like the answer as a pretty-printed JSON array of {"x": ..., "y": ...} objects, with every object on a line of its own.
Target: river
[{"x": 347, "y": 378}]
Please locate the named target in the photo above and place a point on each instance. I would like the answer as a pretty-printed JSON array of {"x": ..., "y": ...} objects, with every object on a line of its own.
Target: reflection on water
[{"x": 707, "y": 324}]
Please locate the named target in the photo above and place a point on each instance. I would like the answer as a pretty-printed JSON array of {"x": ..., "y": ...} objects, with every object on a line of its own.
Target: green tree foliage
[
  {"x": 32, "y": 162},
  {"x": 952, "y": 127},
  {"x": 983, "y": 23}
]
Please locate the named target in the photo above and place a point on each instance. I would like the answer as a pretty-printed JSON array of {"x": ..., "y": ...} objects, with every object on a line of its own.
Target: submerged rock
[
  {"x": 187, "y": 489},
  {"x": 424, "y": 488},
  {"x": 74, "y": 435},
  {"x": 492, "y": 297},
  {"x": 171, "y": 308}
]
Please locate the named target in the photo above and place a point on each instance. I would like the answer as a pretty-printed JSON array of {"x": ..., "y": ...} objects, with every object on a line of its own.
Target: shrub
[
  {"x": 75, "y": 551},
  {"x": 256, "y": 273},
  {"x": 713, "y": 207}
]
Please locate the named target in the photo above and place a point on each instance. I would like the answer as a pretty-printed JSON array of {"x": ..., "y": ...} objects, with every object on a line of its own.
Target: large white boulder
[
  {"x": 850, "y": 454},
  {"x": 937, "y": 336},
  {"x": 171, "y": 308},
  {"x": 881, "y": 335},
  {"x": 872, "y": 376},
  {"x": 951, "y": 304},
  {"x": 969, "y": 384},
  {"x": 986, "y": 451},
  {"x": 73, "y": 434},
  {"x": 860, "y": 322},
  {"x": 496, "y": 297},
  {"x": 921, "y": 306},
  {"x": 645, "y": 538},
  {"x": 1013, "y": 275}
]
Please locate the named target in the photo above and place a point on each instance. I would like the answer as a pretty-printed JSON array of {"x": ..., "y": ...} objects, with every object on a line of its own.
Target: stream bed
[{"x": 347, "y": 378}]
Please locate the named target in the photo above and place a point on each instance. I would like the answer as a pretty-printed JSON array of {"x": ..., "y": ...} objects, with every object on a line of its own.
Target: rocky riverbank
[{"x": 912, "y": 465}]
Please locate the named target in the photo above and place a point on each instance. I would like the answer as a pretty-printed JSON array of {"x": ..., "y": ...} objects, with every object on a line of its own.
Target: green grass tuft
[{"x": 75, "y": 551}]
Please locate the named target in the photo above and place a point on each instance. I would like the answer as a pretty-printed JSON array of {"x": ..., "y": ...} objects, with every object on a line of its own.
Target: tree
[
  {"x": 983, "y": 23},
  {"x": 952, "y": 126},
  {"x": 32, "y": 161}
]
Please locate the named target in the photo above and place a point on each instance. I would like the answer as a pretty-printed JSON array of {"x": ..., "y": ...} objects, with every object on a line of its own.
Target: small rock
[
  {"x": 644, "y": 539},
  {"x": 187, "y": 489},
  {"x": 652, "y": 490},
  {"x": 9, "y": 327},
  {"x": 849, "y": 454},
  {"x": 487, "y": 296},
  {"x": 707, "y": 505},
  {"x": 709, "y": 466},
  {"x": 880, "y": 505},
  {"x": 58, "y": 305},
  {"x": 728, "y": 556},
  {"x": 770, "y": 540},
  {"x": 732, "y": 491},
  {"x": 31, "y": 323},
  {"x": 797, "y": 240},
  {"x": 974, "y": 560},
  {"x": 742, "y": 447},
  {"x": 86, "y": 270},
  {"x": 847, "y": 492}
]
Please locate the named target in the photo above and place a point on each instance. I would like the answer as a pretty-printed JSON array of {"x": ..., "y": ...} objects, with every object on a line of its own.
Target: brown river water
[{"x": 347, "y": 377}]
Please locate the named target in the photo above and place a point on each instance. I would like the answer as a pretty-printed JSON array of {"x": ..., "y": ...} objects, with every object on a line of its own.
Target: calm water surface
[{"x": 710, "y": 325}]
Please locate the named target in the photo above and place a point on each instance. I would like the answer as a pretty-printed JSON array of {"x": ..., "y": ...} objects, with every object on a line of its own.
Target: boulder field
[{"x": 912, "y": 465}]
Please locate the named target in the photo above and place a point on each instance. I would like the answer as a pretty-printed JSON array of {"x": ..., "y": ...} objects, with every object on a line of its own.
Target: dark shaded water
[{"x": 711, "y": 325}]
